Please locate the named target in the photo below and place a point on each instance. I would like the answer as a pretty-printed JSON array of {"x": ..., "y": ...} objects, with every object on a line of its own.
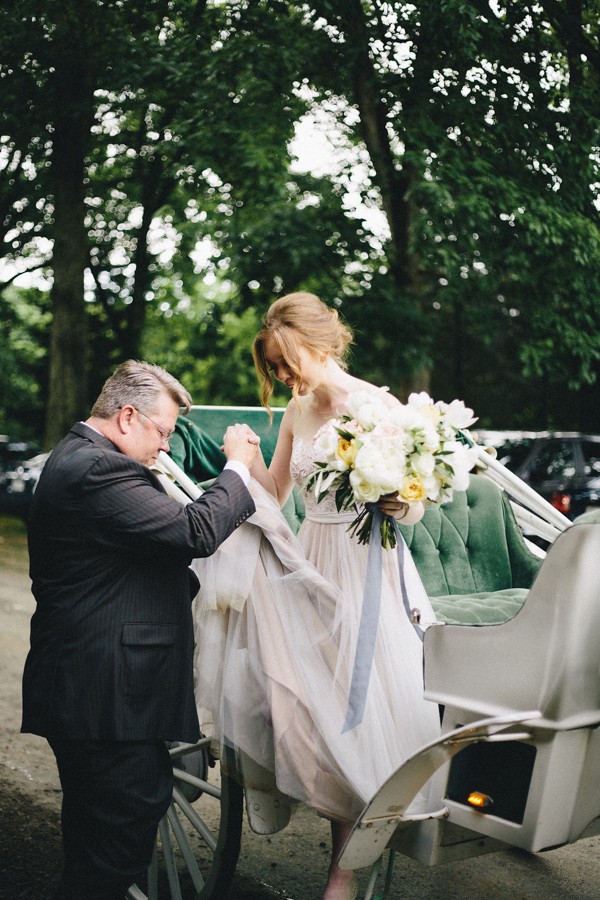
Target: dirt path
[
  {"x": 288, "y": 866},
  {"x": 30, "y": 846}
]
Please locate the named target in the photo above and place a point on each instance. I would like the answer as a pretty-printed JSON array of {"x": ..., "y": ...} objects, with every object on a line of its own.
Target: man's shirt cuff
[{"x": 240, "y": 468}]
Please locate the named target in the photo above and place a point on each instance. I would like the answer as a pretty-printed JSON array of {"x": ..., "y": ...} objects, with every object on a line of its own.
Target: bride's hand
[
  {"x": 241, "y": 443},
  {"x": 406, "y": 514}
]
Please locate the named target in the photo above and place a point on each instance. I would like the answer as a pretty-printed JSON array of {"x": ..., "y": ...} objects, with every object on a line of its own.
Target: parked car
[
  {"x": 564, "y": 467},
  {"x": 14, "y": 452},
  {"x": 20, "y": 465}
]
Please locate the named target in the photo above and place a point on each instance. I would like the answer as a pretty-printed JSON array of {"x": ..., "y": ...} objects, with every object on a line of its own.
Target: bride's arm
[{"x": 277, "y": 478}]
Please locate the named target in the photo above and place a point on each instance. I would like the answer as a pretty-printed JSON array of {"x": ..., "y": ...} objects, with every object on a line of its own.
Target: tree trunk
[
  {"x": 393, "y": 183},
  {"x": 71, "y": 117}
]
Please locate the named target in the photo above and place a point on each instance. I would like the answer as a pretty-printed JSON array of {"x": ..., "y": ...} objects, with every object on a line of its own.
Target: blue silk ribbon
[{"x": 369, "y": 619}]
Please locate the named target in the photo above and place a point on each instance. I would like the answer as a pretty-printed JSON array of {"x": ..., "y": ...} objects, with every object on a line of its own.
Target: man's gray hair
[{"x": 139, "y": 384}]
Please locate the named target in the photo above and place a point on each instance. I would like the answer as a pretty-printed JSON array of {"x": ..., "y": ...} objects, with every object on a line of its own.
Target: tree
[
  {"x": 473, "y": 127},
  {"x": 53, "y": 62},
  {"x": 481, "y": 123},
  {"x": 137, "y": 125}
]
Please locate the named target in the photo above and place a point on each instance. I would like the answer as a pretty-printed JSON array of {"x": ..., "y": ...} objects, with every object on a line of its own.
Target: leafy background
[{"x": 153, "y": 203}]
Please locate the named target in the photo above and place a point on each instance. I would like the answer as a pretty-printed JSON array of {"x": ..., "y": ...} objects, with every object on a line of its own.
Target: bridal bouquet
[{"x": 413, "y": 450}]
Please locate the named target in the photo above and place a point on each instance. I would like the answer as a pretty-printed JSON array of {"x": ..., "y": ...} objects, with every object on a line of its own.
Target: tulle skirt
[{"x": 277, "y": 622}]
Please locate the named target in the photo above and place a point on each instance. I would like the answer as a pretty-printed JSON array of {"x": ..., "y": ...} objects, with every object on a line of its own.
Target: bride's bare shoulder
[{"x": 289, "y": 416}]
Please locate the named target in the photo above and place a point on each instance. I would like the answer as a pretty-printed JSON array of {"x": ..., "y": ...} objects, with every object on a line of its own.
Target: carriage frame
[{"x": 488, "y": 720}]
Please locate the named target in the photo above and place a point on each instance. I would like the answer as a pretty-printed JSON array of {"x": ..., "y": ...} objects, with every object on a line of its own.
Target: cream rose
[{"x": 412, "y": 489}]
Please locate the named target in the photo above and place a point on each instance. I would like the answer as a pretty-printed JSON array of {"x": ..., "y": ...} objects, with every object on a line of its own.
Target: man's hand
[{"x": 241, "y": 443}]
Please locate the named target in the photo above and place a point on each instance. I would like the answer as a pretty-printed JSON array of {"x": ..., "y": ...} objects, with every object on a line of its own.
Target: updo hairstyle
[{"x": 299, "y": 320}]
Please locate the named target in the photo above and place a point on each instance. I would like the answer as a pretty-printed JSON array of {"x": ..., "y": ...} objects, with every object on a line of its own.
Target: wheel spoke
[
  {"x": 169, "y": 858},
  {"x": 185, "y": 847},
  {"x": 204, "y": 786},
  {"x": 184, "y": 749},
  {"x": 200, "y": 835},
  {"x": 198, "y": 823}
]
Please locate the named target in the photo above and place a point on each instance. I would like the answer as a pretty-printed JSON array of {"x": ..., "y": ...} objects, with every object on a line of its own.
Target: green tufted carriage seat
[
  {"x": 470, "y": 553},
  {"x": 472, "y": 558}
]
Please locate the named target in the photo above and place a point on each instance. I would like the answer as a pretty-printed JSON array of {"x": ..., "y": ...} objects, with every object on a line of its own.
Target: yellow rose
[
  {"x": 346, "y": 451},
  {"x": 412, "y": 489}
]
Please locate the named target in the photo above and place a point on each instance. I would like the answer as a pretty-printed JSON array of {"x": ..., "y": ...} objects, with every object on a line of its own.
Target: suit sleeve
[{"x": 127, "y": 508}]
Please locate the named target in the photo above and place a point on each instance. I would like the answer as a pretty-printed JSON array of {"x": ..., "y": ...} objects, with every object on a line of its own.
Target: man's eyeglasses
[{"x": 165, "y": 436}]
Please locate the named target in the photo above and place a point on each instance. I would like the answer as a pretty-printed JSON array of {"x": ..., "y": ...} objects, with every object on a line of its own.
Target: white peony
[
  {"x": 326, "y": 443},
  {"x": 422, "y": 464},
  {"x": 366, "y": 407},
  {"x": 423, "y": 402},
  {"x": 419, "y": 429},
  {"x": 456, "y": 414},
  {"x": 381, "y": 462},
  {"x": 462, "y": 459}
]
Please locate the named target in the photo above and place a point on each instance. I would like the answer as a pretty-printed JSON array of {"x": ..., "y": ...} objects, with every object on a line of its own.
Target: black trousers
[{"x": 114, "y": 796}]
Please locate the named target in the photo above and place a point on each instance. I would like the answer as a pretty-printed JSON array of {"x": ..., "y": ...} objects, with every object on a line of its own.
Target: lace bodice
[{"x": 301, "y": 465}]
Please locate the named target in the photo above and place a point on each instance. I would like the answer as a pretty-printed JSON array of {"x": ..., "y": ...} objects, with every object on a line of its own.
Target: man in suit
[{"x": 108, "y": 678}]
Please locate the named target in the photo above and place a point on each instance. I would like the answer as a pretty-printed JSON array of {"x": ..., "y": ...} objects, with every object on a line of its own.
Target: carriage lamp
[{"x": 479, "y": 800}]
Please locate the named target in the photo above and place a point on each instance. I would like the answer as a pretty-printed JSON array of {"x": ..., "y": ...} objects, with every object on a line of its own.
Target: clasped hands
[{"x": 241, "y": 443}]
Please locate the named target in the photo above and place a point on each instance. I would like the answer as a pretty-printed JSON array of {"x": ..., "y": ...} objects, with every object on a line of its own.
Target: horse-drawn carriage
[{"x": 513, "y": 662}]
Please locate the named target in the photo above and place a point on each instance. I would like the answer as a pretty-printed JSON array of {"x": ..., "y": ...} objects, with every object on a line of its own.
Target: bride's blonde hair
[{"x": 299, "y": 320}]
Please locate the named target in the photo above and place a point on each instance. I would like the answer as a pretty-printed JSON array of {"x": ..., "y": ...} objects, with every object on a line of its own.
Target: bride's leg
[{"x": 341, "y": 884}]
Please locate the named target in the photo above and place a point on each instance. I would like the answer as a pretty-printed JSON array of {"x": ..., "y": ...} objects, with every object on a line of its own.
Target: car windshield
[
  {"x": 555, "y": 459},
  {"x": 16, "y": 451},
  {"x": 512, "y": 453},
  {"x": 591, "y": 457}
]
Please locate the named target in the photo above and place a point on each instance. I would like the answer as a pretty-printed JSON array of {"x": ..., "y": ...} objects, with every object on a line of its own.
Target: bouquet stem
[{"x": 361, "y": 528}]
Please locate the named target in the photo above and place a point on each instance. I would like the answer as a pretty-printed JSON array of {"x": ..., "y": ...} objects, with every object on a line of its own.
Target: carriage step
[{"x": 268, "y": 811}]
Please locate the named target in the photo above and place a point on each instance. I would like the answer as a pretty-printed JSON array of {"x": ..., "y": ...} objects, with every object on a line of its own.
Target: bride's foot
[{"x": 341, "y": 885}]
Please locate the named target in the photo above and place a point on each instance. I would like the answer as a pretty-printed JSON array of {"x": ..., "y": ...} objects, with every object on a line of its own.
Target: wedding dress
[{"x": 277, "y": 621}]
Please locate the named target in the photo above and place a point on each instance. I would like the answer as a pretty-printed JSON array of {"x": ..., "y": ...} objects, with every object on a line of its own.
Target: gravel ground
[{"x": 290, "y": 865}]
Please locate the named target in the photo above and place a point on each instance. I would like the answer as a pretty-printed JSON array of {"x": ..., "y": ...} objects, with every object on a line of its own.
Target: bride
[{"x": 278, "y": 616}]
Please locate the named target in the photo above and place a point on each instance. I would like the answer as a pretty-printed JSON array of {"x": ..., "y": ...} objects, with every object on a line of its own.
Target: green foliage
[
  {"x": 473, "y": 128},
  {"x": 24, "y": 329},
  {"x": 207, "y": 345}
]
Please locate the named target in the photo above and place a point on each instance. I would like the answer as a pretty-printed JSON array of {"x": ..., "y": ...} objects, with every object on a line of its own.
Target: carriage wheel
[{"x": 199, "y": 838}]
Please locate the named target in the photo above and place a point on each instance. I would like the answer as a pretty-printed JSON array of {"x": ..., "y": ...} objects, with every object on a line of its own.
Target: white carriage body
[
  {"x": 521, "y": 704},
  {"x": 526, "y": 694}
]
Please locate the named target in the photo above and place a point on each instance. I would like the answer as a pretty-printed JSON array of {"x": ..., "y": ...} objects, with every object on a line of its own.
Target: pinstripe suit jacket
[{"x": 111, "y": 638}]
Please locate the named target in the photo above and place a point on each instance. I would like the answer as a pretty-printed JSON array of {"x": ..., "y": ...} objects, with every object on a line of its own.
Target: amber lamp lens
[{"x": 479, "y": 800}]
